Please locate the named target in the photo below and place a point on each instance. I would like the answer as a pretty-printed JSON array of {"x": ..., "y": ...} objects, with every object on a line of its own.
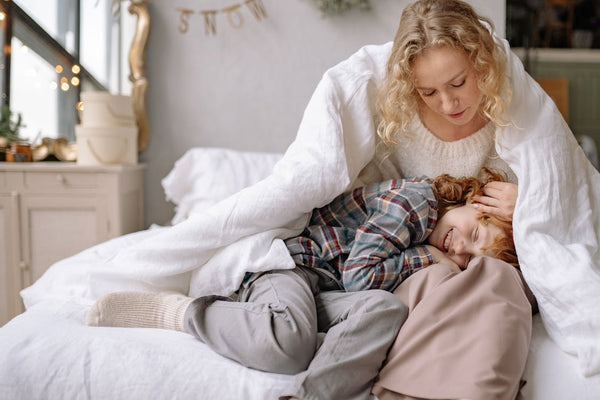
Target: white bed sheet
[
  {"x": 552, "y": 374},
  {"x": 48, "y": 353}
]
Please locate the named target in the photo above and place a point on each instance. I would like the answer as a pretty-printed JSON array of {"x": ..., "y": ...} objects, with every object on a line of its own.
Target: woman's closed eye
[{"x": 429, "y": 93}]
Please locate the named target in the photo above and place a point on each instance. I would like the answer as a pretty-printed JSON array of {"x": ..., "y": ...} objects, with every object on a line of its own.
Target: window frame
[{"x": 18, "y": 23}]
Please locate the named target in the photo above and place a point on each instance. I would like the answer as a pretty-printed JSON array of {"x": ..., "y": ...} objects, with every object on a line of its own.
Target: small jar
[
  {"x": 3, "y": 144},
  {"x": 19, "y": 152}
]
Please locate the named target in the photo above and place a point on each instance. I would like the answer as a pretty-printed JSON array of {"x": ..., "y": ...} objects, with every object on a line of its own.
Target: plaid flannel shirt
[{"x": 371, "y": 237}]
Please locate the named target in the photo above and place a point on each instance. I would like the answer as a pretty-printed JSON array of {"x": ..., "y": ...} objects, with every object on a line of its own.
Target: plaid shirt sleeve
[{"x": 387, "y": 247}]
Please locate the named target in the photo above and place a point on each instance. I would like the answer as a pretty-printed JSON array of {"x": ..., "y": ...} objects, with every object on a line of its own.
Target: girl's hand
[
  {"x": 439, "y": 257},
  {"x": 499, "y": 198}
]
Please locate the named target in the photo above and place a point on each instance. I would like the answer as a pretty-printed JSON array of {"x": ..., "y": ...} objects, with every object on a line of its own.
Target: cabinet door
[
  {"x": 56, "y": 227},
  {"x": 9, "y": 273}
]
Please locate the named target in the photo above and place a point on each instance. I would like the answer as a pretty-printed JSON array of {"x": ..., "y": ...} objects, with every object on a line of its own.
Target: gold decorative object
[
  {"x": 59, "y": 148},
  {"x": 137, "y": 66},
  {"x": 138, "y": 70}
]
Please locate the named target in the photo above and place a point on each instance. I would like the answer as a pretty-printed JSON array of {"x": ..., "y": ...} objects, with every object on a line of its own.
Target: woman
[
  {"x": 445, "y": 96},
  {"x": 442, "y": 97}
]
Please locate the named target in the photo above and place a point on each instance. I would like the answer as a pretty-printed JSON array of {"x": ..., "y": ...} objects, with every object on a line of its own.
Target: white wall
[{"x": 246, "y": 88}]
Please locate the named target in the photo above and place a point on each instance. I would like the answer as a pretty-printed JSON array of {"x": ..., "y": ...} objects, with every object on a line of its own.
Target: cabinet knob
[
  {"x": 61, "y": 178},
  {"x": 23, "y": 265}
]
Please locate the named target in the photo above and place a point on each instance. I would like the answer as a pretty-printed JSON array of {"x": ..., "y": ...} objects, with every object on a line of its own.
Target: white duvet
[{"x": 556, "y": 220}]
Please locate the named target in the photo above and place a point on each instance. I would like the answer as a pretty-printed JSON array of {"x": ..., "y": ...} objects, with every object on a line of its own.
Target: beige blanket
[{"x": 486, "y": 319}]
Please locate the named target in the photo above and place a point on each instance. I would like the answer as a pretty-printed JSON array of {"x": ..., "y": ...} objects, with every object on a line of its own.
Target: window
[
  {"x": 553, "y": 23},
  {"x": 53, "y": 50}
]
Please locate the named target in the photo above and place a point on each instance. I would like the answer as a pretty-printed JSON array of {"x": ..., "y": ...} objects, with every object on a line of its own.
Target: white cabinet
[{"x": 50, "y": 211}]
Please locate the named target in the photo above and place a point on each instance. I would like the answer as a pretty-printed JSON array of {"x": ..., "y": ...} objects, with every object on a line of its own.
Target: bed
[{"x": 48, "y": 352}]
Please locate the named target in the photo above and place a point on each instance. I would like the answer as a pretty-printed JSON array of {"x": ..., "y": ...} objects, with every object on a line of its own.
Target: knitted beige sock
[{"x": 140, "y": 310}]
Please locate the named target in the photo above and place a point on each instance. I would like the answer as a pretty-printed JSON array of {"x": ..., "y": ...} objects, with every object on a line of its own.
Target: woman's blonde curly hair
[{"x": 428, "y": 23}]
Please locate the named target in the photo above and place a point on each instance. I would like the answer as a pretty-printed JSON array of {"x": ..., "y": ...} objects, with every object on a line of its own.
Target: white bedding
[
  {"x": 204, "y": 176},
  {"x": 556, "y": 221},
  {"x": 552, "y": 374},
  {"x": 48, "y": 353},
  {"x": 209, "y": 252},
  {"x": 52, "y": 355}
]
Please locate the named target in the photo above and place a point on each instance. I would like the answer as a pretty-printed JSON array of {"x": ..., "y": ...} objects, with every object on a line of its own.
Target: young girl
[{"x": 370, "y": 238}]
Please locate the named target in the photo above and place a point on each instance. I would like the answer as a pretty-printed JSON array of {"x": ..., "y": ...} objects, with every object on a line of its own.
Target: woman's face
[
  {"x": 461, "y": 235},
  {"x": 447, "y": 84}
]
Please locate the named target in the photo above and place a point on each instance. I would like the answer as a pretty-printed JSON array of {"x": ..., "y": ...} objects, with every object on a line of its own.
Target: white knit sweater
[{"x": 423, "y": 153}]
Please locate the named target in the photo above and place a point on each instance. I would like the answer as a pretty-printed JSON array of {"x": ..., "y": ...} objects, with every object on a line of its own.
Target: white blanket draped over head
[{"x": 556, "y": 221}]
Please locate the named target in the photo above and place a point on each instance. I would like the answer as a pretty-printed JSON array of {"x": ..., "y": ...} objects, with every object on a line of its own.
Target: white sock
[{"x": 140, "y": 310}]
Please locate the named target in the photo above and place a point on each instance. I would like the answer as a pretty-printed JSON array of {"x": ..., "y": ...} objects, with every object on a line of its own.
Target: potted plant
[{"x": 9, "y": 129}]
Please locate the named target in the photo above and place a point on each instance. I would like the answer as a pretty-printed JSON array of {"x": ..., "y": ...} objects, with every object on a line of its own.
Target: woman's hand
[
  {"x": 439, "y": 257},
  {"x": 499, "y": 198}
]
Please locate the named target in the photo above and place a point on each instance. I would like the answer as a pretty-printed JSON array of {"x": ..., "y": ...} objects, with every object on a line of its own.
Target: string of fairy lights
[
  {"x": 67, "y": 77},
  {"x": 65, "y": 82}
]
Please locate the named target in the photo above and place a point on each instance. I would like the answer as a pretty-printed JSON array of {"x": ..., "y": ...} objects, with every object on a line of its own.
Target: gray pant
[{"x": 274, "y": 327}]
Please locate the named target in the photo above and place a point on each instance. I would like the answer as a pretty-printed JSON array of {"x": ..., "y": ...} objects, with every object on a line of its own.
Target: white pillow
[{"x": 203, "y": 176}]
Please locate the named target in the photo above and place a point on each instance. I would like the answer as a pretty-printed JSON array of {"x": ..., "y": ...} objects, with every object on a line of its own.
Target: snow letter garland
[{"x": 234, "y": 15}]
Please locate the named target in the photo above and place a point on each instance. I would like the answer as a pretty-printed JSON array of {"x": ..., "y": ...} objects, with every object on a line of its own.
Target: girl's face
[
  {"x": 447, "y": 84},
  {"x": 461, "y": 235}
]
